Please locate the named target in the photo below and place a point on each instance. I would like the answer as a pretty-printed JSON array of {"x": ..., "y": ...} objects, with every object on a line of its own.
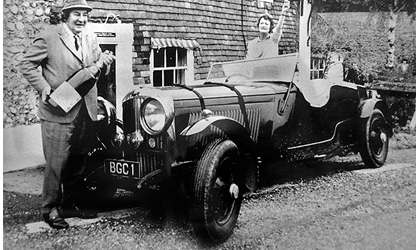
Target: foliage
[
  {"x": 401, "y": 108},
  {"x": 361, "y": 38},
  {"x": 402, "y": 140},
  {"x": 365, "y": 6}
]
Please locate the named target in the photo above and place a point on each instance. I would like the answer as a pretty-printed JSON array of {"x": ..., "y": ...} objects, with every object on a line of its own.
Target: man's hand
[
  {"x": 106, "y": 58},
  {"x": 286, "y": 6},
  {"x": 45, "y": 96}
]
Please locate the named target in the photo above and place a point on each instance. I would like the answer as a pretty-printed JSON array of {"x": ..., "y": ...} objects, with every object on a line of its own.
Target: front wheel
[
  {"x": 216, "y": 190},
  {"x": 374, "y": 140}
]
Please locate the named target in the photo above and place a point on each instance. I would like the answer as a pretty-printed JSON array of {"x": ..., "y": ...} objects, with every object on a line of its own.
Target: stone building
[{"x": 171, "y": 41}]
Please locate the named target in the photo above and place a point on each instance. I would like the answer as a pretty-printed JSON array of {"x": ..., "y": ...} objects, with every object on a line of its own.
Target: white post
[{"x": 304, "y": 41}]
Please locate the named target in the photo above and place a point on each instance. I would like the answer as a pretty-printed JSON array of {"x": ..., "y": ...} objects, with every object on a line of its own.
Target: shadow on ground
[
  {"x": 284, "y": 172},
  {"x": 172, "y": 202}
]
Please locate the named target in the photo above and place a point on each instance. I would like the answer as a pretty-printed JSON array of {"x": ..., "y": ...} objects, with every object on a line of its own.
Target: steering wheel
[{"x": 237, "y": 75}]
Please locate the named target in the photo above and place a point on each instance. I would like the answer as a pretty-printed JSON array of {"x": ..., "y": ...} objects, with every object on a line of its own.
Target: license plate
[{"x": 122, "y": 168}]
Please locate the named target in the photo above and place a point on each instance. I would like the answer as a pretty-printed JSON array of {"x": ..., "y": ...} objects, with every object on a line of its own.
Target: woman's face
[{"x": 264, "y": 26}]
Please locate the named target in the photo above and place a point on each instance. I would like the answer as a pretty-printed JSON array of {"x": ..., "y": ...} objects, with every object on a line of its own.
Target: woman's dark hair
[{"x": 269, "y": 18}]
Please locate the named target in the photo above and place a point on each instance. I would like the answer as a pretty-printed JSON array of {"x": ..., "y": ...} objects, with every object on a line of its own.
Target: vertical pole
[
  {"x": 304, "y": 40},
  {"x": 391, "y": 58}
]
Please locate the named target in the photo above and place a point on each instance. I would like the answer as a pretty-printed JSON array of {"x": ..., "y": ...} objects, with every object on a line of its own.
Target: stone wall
[{"x": 22, "y": 20}]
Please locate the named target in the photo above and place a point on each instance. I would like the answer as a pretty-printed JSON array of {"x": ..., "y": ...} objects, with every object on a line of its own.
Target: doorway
[{"x": 107, "y": 82}]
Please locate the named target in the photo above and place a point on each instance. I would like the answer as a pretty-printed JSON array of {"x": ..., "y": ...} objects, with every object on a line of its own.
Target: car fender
[
  {"x": 229, "y": 126},
  {"x": 107, "y": 121},
  {"x": 108, "y": 114},
  {"x": 367, "y": 106},
  {"x": 236, "y": 132}
]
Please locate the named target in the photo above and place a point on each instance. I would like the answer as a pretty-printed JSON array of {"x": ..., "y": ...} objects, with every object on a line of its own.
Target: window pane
[
  {"x": 171, "y": 57},
  {"x": 159, "y": 57},
  {"x": 182, "y": 57},
  {"x": 180, "y": 76},
  {"x": 157, "y": 78},
  {"x": 168, "y": 77}
]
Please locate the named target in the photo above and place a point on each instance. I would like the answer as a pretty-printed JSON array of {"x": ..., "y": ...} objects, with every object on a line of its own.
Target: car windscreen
[{"x": 276, "y": 69}]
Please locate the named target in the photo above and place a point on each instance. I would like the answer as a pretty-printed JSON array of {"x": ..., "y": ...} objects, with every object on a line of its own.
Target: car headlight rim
[{"x": 153, "y": 116}]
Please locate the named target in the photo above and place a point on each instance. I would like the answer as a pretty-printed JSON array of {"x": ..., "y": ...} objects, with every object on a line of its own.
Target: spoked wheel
[
  {"x": 374, "y": 140},
  {"x": 216, "y": 190}
]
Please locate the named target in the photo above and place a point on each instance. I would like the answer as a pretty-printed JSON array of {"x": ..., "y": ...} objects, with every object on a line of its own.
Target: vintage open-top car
[{"x": 218, "y": 135}]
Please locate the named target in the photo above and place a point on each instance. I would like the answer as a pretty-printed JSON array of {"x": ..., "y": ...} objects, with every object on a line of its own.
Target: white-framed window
[
  {"x": 318, "y": 67},
  {"x": 172, "y": 61}
]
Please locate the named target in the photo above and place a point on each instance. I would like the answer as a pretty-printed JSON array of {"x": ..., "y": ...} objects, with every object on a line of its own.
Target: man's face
[
  {"x": 77, "y": 20},
  {"x": 264, "y": 26}
]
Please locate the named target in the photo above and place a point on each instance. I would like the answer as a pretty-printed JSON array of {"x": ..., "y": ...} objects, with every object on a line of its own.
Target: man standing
[{"x": 61, "y": 51}]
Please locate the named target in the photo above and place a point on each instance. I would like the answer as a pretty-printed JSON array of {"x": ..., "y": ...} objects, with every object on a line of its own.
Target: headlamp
[{"x": 153, "y": 117}]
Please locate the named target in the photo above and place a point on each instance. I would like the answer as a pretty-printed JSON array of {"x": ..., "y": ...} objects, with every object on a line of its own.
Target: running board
[{"x": 316, "y": 150}]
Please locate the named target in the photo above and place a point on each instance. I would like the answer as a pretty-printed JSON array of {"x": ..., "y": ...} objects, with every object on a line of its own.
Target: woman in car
[{"x": 266, "y": 44}]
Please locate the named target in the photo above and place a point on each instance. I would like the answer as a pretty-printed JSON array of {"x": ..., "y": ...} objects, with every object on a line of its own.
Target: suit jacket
[{"x": 54, "y": 50}]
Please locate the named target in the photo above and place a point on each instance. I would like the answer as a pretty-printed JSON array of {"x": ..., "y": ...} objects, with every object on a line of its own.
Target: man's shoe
[
  {"x": 54, "y": 220},
  {"x": 75, "y": 211}
]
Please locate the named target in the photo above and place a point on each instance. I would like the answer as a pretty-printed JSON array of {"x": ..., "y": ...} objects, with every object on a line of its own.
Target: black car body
[{"x": 217, "y": 136}]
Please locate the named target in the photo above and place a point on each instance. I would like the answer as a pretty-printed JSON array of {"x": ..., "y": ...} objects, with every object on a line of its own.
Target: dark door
[{"x": 107, "y": 83}]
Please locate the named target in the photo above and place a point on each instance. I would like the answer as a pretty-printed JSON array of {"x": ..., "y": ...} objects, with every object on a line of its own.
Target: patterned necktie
[{"x": 76, "y": 42}]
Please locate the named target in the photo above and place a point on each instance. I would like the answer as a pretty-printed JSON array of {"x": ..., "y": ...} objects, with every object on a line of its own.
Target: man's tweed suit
[{"x": 54, "y": 50}]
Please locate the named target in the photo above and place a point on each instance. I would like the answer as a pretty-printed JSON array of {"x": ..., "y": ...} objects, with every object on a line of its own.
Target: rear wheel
[
  {"x": 216, "y": 190},
  {"x": 374, "y": 140}
]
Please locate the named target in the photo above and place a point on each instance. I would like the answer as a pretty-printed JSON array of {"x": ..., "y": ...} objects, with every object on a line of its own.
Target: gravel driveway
[{"x": 320, "y": 205}]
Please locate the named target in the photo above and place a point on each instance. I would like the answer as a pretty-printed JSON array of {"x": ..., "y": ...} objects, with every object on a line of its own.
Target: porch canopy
[{"x": 159, "y": 43}]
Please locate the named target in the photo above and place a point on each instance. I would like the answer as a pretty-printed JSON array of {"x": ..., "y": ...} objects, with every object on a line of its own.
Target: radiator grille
[
  {"x": 131, "y": 111},
  {"x": 150, "y": 159},
  {"x": 149, "y": 162}
]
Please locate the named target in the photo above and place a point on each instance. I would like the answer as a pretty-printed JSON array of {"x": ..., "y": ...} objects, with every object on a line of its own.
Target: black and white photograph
[{"x": 209, "y": 124}]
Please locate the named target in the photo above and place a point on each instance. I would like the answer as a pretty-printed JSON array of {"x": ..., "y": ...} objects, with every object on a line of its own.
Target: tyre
[
  {"x": 374, "y": 140},
  {"x": 216, "y": 196}
]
